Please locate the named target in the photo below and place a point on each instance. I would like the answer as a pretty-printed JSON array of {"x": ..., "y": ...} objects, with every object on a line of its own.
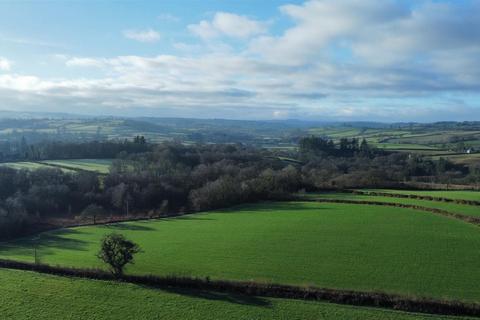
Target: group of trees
[
  {"x": 22, "y": 150},
  {"x": 175, "y": 178},
  {"x": 345, "y": 148}
]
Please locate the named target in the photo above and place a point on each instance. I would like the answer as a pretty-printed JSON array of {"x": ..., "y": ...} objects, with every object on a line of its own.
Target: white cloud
[
  {"x": 343, "y": 58},
  {"x": 84, "y": 62},
  {"x": 168, "y": 17},
  {"x": 5, "y": 64},
  {"x": 149, "y": 35},
  {"x": 228, "y": 24}
]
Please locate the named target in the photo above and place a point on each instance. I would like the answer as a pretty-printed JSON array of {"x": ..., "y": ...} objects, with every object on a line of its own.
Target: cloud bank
[{"x": 337, "y": 59}]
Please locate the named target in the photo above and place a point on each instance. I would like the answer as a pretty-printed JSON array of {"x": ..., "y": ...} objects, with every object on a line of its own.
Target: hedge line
[
  {"x": 465, "y": 218},
  {"x": 413, "y": 196},
  {"x": 357, "y": 298}
]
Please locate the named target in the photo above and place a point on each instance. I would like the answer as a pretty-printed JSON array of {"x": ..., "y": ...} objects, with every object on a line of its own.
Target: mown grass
[
  {"x": 96, "y": 165},
  {"x": 359, "y": 247},
  {"x": 27, "y": 295},
  {"x": 460, "y": 195},
  {"x": 464, "y": 209}
]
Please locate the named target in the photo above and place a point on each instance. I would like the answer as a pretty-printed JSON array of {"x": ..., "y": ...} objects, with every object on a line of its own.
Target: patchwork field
[
  {"x": 434, "y": 141},
  {"x": 345, "y": 246},
  {"x": 27, "y": 295}
]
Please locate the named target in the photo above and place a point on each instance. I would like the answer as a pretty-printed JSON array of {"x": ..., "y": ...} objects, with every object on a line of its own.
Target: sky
[{"x": 326, "y": 60}]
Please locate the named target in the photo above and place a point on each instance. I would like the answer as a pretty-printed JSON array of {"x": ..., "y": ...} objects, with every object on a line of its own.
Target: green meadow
[
  {"x": 25, "y": 165},
  {"x": 359, "y": 247},
  {"x": 27, "y": 295},
  {"x": 460, "y": 195},
  {"x": 464, "y": 209},
  {"x": 96, "y": 165}
]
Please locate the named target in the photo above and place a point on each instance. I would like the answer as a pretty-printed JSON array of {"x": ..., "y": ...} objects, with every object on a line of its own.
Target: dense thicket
[{"x": 153, "y": 180}]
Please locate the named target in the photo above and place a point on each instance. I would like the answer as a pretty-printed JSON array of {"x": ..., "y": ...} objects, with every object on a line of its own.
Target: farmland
[
  {"x": 464, "y": 209},
  {"x": 71, "y": 165},
  {"x": 95, "y": 165},
  {"x": 27, "y": 295},
  {"x": 24, "y": 165},
  {"x": 326, "y": 245},
  {"x": 450, "y": 194},
  {"x": 427, "y": 139}
]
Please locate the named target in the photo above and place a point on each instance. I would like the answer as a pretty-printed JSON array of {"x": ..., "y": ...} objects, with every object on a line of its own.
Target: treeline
[
  {"x": 24, "y": 151},
  {"x": 33, "y": 197},
  {"x": 169, "y": 178},
  {"x": 345, "y": 148},
  {"x": 154, "y": 180}
]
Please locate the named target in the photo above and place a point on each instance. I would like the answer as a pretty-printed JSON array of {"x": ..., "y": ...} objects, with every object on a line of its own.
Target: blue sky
[{"x": 320, "y": 59}]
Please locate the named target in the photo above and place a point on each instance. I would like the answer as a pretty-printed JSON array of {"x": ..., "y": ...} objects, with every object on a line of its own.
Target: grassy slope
[
  {"x": 26, "y": 295},
  {"x": 98, "y": 165},
  {"x": 24, "y": 165},
  {"x": 329, "y": 245},
  {"x": 466, "y": 195},
  {"x": 468, "y": 210}
]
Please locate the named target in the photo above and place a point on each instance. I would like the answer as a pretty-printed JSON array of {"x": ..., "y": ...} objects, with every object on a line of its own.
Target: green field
[
  {"x": 27, "y": 295},
  {"x": 25, "y": 165},
  {"x": 460, "y": 158},
  {"x": 465, "y": 209},
  {"x": 96, "y": 165},
  {"x": 460, "y": 195},
  {"x": 343, "y": 246}
]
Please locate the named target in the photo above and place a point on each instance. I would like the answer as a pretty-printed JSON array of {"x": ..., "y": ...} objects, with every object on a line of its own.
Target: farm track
[
  {"x": 271, "y": 290},
  {"x": 458, "y": 216}
]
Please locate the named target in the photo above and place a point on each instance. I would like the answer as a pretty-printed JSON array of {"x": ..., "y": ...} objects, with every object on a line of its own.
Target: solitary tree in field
[{"x": 117, "y": 251}]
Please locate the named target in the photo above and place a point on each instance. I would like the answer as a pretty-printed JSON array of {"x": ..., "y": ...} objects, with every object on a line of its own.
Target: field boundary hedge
[
  {"x": 357, "y": 298},
  {"x": 413, "y": 196},
  {"x": 459, "y": 216}
]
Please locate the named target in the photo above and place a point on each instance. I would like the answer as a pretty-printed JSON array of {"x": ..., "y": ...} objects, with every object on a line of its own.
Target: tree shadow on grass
[
  {"x": 216, "y": 296},
  {"x": 278, "y": 207},
  {"x": 128, "y": 226},
  {"x": 45, "y": 244},
  {"x": 195, "y": 216}
]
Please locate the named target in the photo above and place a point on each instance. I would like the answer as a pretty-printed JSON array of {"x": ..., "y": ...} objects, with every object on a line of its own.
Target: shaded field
[
  {"x": 28, "y": 295},
  {"x": 466, "y": 159},
  {"x": 96, "y": 165},
  {"x": 357, "y": 247}
]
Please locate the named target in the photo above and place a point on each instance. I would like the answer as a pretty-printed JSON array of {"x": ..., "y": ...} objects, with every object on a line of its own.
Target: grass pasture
[
  {"x": 454, "y": 194},
  {"x": 25, "y": 165},
  {"x": 467, "y": 159},
  {"x": 96, "y": 165},
  {"x": 27, "y": 295},
  {"x": 359, "y": 247},
  {"x": 464, "y": 209}
]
